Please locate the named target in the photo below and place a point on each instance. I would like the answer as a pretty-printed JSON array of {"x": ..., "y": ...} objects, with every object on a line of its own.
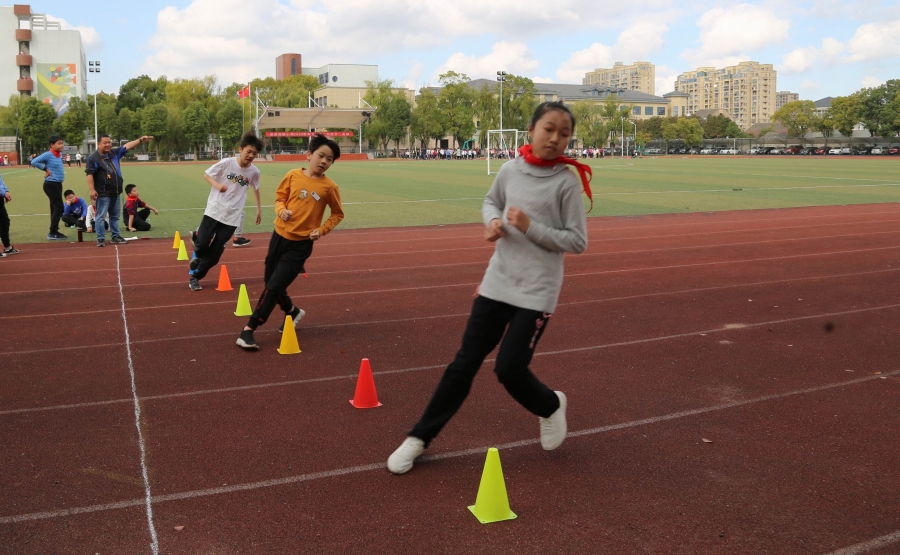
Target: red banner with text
[{"x": 309, "y": 133}]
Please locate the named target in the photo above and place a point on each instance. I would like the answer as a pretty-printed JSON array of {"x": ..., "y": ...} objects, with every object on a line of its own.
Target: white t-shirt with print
[{"x": 227, "y": 207}]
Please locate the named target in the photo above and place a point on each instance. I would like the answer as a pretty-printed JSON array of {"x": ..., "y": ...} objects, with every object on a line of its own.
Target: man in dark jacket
[{"x": 104, "y": 177}]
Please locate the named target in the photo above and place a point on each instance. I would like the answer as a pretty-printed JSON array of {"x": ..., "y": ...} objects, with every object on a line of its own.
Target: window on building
[
  {"x": 636, "y": 111},
  {"x": 660, "y": 110},
  {"x": 648, "y": 110},
  {"x": 293, "y": 66},
  {"x": 675, "y": 111}
]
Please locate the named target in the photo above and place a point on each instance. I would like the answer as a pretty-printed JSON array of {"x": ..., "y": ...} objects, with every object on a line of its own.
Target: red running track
[{"x": 709, "y": 409}]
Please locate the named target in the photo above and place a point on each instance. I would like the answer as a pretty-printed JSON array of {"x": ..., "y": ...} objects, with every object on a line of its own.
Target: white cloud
[
  {"x": 635, "y": 43},
  {"x": 539, "y": 79},
  {"x": 413, "y": 77},
  {"x": 869, "y": 81},
  {"x": 90, "y": 38},
  {"x": 874, "y": 40},
  {"x": 237, "y": 43},
  {"x": 512, "y": 57},
  {"x": 665, "y": 79},
  {"x": 809, "y": 85},
  {"x": 729, "y": 34},
  {"x": 802, "y": 59}
]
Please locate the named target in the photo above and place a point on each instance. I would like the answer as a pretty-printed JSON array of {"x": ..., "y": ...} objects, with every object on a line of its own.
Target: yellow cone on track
[
  {"x": 492, "y": 504},
  {"x": 243, "y": 306}
]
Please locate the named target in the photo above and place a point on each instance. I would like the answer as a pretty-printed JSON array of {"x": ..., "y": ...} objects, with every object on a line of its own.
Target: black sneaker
[
  {"x": 246, "y": 341},
  {"x": 118, "y": 240},
  {"x": 101, "y": 242},
  {"x": 194, "y": 264},
  {"x": 194, "y": 284},
  {"x": 240, "y": 242},
  {"x": 296, "y": 315},
  {"x": 56, "y": 236},
  {"x": 10, "y": 250}
]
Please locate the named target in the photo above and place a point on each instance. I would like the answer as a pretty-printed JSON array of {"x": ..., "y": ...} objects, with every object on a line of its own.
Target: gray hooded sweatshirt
[{"x": 526, "y": 269}]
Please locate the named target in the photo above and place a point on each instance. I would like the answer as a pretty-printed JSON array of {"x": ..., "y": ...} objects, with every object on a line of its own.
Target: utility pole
[{"x": 94, "y": 67}]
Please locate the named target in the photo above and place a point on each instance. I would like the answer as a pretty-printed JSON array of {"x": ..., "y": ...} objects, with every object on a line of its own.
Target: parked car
[
  {"x": 796, "y": 149},
  {"x": 861, "y": 151},
  {"x": 877, "y": 150},
  {"x": 894, "y": 150},
  {"x": 728, "y": 151},
  {"x": 706, "y": 150},
  {"x": 834, "y": 151},
  {"x": 808, "y": 151},
  {"x": 846, "y": 150},
  {"x": 774, "y": 151}
]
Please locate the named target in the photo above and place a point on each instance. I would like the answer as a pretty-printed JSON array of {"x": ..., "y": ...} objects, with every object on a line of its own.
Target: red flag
[{"x": 245, "y": 92}]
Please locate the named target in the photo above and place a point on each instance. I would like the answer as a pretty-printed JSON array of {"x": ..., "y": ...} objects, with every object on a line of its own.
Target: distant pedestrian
[
  {"x": 5, "y": 198},
  {"x": 54, "y": 175}
]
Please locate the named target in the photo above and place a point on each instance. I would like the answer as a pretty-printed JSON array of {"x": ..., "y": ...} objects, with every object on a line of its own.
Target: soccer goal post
[{"x": 503, "y": 144}]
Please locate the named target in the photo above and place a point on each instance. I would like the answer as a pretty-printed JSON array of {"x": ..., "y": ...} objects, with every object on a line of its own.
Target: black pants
[
  {"x": 53, "y": 190},
  {"x": 488, "y": 321},
  {"x": 140, "y": 222},
  {"x": 74, "y": 221},
  {"x": 212, "y": 236},
  {"x": 284, "y": 262},
  {"x": 4, "y": 223}
]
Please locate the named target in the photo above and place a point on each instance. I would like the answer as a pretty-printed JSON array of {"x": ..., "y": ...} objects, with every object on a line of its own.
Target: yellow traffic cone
[
  {"x": 243, "y": 306},
  {"x": 182, "y": 253},
  {"x": 289, "y": 345},
  {"x": 492, "y": 504},
  {"x": 177, "y": 240}
]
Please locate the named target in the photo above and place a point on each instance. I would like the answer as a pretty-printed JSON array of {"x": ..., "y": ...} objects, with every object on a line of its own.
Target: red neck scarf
[
  {"x": 57, "y": 154},
  {"x": 584, "y": 171}
]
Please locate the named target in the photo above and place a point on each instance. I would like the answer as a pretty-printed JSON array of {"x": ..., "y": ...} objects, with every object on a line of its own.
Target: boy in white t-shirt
[{"x": 229, "y": 179}]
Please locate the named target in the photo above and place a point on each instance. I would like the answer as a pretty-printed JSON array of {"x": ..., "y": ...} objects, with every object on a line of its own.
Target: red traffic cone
[
  {"x": 224, "y": 282},
  {"x": 365, "y": 397}
]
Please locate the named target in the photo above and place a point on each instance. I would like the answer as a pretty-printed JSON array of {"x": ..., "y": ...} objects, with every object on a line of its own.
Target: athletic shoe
[
  {"x": 401, "y": 460},
  {"x": 297, "y": 314},
  {"x": 240, "y": 242},
  {"x": 553, "y": 429},
  {"x": 101, "y": 242},
  {"x": 118, "y": 240},
  {"x": 194, "y": 264},
  {"x": 246, "y": 341},
  {"x": 2, "y": 255},
  {"x": 194, "y": 284},
  {"x": 10, "y": 250},
  {"x": 56, "y": 237}
]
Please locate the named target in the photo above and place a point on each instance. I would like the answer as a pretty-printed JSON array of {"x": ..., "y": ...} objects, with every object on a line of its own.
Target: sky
[{"x": 819, "y": 47}]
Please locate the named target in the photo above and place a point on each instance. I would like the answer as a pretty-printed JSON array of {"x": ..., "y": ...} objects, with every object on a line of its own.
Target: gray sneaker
[
  {"x": 553, "y": 428},
  {"x": 296, "y": 315},
  {"x": 118, "y": 240},
  {"x": 401, "y": 460},
  {"x": 101, "y": 242},
  {"x": 194, "y": 284}
]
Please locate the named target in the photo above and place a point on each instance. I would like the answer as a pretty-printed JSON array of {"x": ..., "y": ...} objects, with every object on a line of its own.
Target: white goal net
[{"x": 503, "y": 145}]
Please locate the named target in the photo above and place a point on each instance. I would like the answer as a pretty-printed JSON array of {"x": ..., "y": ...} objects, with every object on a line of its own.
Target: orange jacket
[{"x": 306, "y": 198}]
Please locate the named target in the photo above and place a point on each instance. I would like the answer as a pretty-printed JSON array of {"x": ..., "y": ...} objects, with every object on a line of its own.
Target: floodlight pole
[
  {"x": 94, "y": 67},
  {"x": 501, "y": 77}
]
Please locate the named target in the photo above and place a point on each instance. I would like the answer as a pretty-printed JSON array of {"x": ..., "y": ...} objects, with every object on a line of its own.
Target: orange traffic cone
[
  {"x": 224, "y": 282},
  {"x": 365, "y": 397}
]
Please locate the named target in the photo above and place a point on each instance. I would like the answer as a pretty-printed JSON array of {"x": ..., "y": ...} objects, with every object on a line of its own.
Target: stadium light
[
  {"x": 94, "y": 67},
  {"x": 501, "y": 77}
]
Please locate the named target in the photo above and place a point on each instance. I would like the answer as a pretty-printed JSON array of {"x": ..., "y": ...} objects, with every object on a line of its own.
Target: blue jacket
[
  {"x": 107, "y": 171},
  {"x": 3, "y": 189},
  {"x": 79, "y": 209},
  {"x": 47, "y": 161}
]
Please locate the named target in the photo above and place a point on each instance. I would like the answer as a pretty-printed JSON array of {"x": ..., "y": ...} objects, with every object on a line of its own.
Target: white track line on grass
[
  {"x": 747, "y": 189},
  {"x": 871, "y": 545},
  {"x": 154, "y": 541},
  {"x": 249, "y": 486},
  {"x": 700, "y": 333},
  {"x": 693, "y": 172}
]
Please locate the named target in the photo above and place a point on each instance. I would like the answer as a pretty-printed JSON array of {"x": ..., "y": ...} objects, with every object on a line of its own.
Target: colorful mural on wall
[{"x": 56, "y": 84}]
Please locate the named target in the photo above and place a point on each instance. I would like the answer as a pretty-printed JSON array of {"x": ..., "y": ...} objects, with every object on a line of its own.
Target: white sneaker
[
  {"x": 553, "y": 429},
  {"x": 401, "y": 460}
]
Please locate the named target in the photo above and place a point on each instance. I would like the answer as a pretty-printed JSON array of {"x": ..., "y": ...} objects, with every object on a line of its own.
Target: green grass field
[{"x": 394, "y": 193}]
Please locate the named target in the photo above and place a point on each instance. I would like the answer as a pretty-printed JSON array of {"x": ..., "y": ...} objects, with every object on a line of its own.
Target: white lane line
[
  {"x": 729, "y": 328},
  {"x": 747, "y": 189},
  {"x": 192, "y": 494},
  {"x": 154, "y": 541},
  {"x": 491, "y": 247},
  {"x": 871, "y": 545},
  {"x": 765, "y": 175}
]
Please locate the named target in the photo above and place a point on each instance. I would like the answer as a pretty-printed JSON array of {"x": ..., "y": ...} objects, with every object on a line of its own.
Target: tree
[
  {"x": 878, "y": 111},
  {"x": 823, "y": 124},
  {"x": 845, "y": 112},
  {"x": 690, "y": 131},
  {"x": 155, "y": 122},
  {"x": 486, "y": 107},
  {"x": 641, "y": 139},
  {"x": 75, "y": 121},
  {"x": 797, "y": 116},
  {"x": 669, "y": 132},
  {"x": 123, "y": 125},
  {"x": 229, "y": 122},
  {"x": 426, "y": 121},
  {"x": 141, "y": 91},
  {"x": 379, "y": 128},
  {"x": 589, "y": 124},
  {"x": 9, "y": 114},
  {"x": 397, "y": 114},
  {"x": 456, "y": 101},
  {"x": 36, "y": 122},
  {"x": 196, "y": 124}
]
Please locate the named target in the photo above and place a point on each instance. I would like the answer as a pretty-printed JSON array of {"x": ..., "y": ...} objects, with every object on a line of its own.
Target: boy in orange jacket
[{"x": 300, "y": 202}]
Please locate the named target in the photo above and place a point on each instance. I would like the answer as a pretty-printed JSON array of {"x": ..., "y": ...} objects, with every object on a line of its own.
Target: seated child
[
  {"x": 136, "y": 211},
  {"x": 75, "y": 211},
  {"x": 91, "y": 219}
]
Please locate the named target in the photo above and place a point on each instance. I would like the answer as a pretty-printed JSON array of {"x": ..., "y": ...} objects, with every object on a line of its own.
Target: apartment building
[
  {"x": 639, "y": 76},
  {"x": 746, "y": 92},
  {"x": 783, "y": 97}
]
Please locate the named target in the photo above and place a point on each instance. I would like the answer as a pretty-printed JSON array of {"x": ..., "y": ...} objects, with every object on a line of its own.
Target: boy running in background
[
  {"x": 75, "y": 211},
  {"x": 5, "y": 198},
  {"x": 300, "y": 203},
  {"x": 535, "y": 214},
  {"x": 137, "y": 211},
  {"x": 229, "y": 179}
]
